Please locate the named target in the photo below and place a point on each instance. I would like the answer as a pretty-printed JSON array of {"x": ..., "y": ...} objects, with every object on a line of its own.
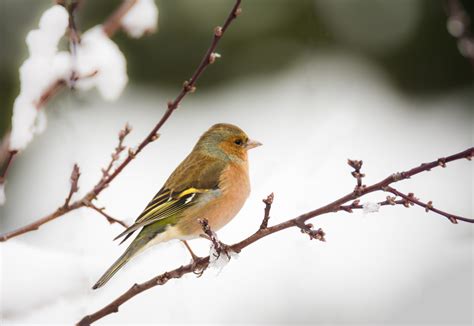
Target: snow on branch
[
  {"x": 94, "y": 61},
  {"x": 112, "y": 171},
  {"x": 99, "y": 55},
  {"x": 44, "y": 66},
  {"x": 217, "y": 248},
  {"x": 141, "y": 19}
]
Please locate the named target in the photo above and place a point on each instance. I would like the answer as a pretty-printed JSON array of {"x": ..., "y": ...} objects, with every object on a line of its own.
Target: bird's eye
[{"x": 238, "y": 142}]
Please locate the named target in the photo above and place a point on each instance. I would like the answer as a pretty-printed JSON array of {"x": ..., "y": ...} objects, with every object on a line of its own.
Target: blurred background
[
  {"x": 316, "y": 81},
  {"x": 406, "y": 39}
]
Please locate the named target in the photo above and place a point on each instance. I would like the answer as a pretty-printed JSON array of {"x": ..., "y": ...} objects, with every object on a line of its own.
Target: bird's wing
[{"x": 196, "y": 175}]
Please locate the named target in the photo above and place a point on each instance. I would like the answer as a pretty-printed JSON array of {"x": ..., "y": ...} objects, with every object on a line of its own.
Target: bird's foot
[
  {"x": 219, "y": 248},
  {"x": 198, "y": 266},
  {"x": 196, "y": 261}
]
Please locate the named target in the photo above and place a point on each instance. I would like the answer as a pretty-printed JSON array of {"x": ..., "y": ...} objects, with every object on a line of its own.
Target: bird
[{"x": 212, "y": 182}]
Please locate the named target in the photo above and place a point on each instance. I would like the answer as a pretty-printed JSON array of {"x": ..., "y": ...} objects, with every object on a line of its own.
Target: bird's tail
[
  {"x": 135, "y": 247},
  {"x": 141, "y": 242}
]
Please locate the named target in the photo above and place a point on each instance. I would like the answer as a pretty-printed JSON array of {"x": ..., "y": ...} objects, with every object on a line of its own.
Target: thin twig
[
  {"x": 357, "y": 165},
  {"x": 266, "y": 213},
  {"x": 63, "y": 209},
  {"x": 74, "y": 39},
  {"x": 118, "y": 150},
  {"x": 75, "y": 174},
  {"x": 298, "y": 222},
  {"x": 109, "y": 218},
  {"x": 107, "y": 178},
  {"x": 390, "y": 201},
  {"x": 114, "y": 22},
  {"x": 188, "y": 87},
  {"x": 58, "y": 85},
  {"x": 85, "y": 201},
  {"x": 11, "y": 155},
  {"x": 410, "y": 198}
]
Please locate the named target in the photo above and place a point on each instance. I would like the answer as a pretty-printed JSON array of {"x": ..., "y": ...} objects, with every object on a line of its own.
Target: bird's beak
[{"x": 252, "y": 144}]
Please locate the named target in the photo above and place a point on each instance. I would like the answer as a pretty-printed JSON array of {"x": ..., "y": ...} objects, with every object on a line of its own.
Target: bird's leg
[
  {"x": 197, "y": 269},
  {"x": 193, "y": 255},
  {"x": 220, "y": 247}
]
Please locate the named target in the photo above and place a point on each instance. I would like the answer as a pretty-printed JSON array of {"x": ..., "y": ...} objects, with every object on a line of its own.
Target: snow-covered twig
[
  {"x": 48, "y": 71},
  {"x": 107, "y": 178},
  {"x": 298, "y": 222}
]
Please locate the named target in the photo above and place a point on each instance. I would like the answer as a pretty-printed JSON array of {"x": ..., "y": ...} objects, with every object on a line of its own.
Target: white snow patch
[
  {"x": 53, "y": 273},
  {"x": 37, "y": 73},
  {"x": 99, "y": 54},
  {"x": 219, "y": 261},
  {"x": 369, "y": 207},
  {"x": 142, "y": 18}
]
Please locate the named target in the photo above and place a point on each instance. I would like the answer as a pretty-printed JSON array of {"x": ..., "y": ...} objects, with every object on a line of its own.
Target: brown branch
[
  {"x": 357, "y": 165},
  {"x": 50, "y": 92},
  {"x": 63, "y": 209},
  {"x": 8, "y": 163},
  {"x": 4, "y": 148},
  {"x": 307, "y": 228},
  {"x": 162, "y": 279},
  {"x": 458, "y": 26},
  {"x": 411, "y": 199},
  {"x": 74, "y": 37},
  {"x": 114, "y": 22},
  {"x": 86, "y": 201},
  {"x": 266, "y": 213},
  {"x": 356, "y": 204},
  {"x": 188, "y": 87},
  {"x": 107, "y": 177},
  {"x": 218, "y": 246},
  {"x": 109, "y": 218},
  {"x": 298, "y": 222},
  {"x": 60, "y": 84},
  {"x": 118, "y": 150},
  {"x": 74, "y": 187}
]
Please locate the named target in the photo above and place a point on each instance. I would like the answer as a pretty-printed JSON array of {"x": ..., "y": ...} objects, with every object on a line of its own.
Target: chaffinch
[{"x": 212, "y": 182}]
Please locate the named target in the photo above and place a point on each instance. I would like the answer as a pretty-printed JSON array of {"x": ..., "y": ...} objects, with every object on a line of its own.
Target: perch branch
[
  {"x": 110, "y": 175},
  {"x": 298, "y": 222}
]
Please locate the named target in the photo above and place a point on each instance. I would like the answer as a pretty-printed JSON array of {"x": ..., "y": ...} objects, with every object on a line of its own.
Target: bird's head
[{"x": 226, "y": 139}]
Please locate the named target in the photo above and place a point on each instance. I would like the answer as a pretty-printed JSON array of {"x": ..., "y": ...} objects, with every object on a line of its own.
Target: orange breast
[{"x": 234, "y": 190}]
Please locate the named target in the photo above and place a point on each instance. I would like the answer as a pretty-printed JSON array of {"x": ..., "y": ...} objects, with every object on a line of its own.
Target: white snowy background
[{"x": 398, "y": 266}]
